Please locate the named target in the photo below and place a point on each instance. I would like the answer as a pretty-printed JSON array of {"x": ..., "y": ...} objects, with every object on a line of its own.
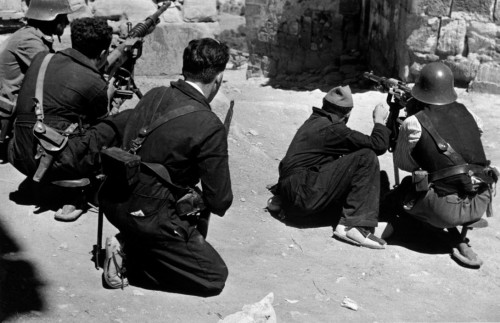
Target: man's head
[
  {"x": 338, "y": 101},
  {"x": 204, "y": 61},
  {"x": 435, "y": 85},
  {"x": 91, "y": 37},
  {"x": 51, "y": 16}
]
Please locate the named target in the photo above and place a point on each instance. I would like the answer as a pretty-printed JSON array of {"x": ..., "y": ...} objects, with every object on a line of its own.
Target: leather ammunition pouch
[{"x": 120, "y": 166}]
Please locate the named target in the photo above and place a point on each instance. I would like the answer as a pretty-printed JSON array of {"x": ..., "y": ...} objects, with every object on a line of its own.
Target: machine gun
[
  {"x": 398, "y": 95},
  {"x": 121, "y": 61}
]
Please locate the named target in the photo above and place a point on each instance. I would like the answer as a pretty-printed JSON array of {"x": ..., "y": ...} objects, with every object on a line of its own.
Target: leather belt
[{"x": 468, "y": 169}]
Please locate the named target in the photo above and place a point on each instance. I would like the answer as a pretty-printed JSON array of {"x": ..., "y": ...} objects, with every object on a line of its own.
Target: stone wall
[
  {"x": 463, "y": 34},
  {"x": 162, "y": 50},
  {"x": 394, "y": 38},
  {"x": 295, "y": 36}
]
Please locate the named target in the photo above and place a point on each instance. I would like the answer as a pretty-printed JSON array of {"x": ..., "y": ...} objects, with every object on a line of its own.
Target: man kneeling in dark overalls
[{"x": 166, "y": 249}]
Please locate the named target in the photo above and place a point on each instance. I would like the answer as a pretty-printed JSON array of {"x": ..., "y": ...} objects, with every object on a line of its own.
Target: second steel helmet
[
  {"x": 435, "y": 85},
  {"x": 47, "y": 10}
]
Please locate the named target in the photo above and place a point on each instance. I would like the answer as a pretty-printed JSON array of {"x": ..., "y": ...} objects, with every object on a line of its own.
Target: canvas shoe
[
  {"x": 359, "y": 237},
  {"x": 114, "y": 269},
  {"x": 365, "y": 238}
]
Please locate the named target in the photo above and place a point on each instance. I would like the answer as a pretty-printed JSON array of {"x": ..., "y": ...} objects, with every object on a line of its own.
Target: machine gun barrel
[
  {"x": 121, "y": 53},
  {"x": 387, "y": 83}
]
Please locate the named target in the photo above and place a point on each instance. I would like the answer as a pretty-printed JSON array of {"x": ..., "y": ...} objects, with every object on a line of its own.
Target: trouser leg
[
  {"x": 177, "y": 264},
  {"x": 352, "y": 182},
  {"x": 360, "y": 207}
]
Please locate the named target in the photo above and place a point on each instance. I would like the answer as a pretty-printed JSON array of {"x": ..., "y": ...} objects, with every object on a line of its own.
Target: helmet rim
[{"x": 435, "y": 85}]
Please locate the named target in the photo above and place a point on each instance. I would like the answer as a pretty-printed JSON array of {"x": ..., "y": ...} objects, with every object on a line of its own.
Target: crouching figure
[{"x": 181, "y": 143}]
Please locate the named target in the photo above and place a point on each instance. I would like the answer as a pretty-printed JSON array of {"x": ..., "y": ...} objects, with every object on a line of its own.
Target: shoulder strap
[
  {"x": 160, "y": 170},
  {"x": 442, "y": 145},
  {"x": 172, "y": 114},
  {"x": 39, "y": 87}
]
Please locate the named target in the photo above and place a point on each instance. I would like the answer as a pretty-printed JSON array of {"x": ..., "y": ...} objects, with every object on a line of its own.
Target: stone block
[
  {"x": 135, "y": 10},
  {"x": 422, "y": 58},
  {"x": 163, "y": 49},
  {"x": 11, "y": 15},
  {"x": 496, "y": 14},
  {"x": 199, "y": 10},
  {"x": 480, "y": 44},
  {"x": 83, "y": 11},
  {"x": 489, "y": 72},
  {"x": 487, "y": 29},
  {"x": 484, "y": 87},
  {"x": 451, "y": 37},
  {"x": 234, "y": 7},
  {"x": 433, "y": 8},
  {"x": 11, "y": 5},
  {"x": 173, "y": 14},
  {"x": 464, "y": 69},
  {"x": 253, "y": 10},
  {"x": 415, "y": 69},
  {"x": 479, "y": 7},
  {"x": 424, "y": 39}
]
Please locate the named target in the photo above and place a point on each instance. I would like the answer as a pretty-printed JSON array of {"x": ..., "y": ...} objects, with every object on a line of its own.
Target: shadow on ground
[
  {"x": 20, "y": 285},
  {"x": 412, "y": 235}
]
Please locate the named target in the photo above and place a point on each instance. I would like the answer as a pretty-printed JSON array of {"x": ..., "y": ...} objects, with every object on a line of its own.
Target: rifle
[
  {"x": 121, "y": 61},
  {"x": 204, "y": 219},
  {"x": 398, "y": 95}
]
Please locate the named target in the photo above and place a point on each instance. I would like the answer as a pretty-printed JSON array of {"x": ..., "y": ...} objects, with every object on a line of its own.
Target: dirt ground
[{"x": 46, "y": 272}]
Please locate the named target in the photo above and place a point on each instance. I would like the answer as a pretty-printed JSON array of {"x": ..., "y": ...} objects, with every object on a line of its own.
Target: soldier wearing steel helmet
[
  {"x": 440, "y": 143},
  {"x": 45, "y": 19}
]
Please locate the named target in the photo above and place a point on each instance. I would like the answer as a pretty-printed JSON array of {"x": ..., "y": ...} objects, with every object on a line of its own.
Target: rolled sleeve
[{"x": 409, "y": 135}]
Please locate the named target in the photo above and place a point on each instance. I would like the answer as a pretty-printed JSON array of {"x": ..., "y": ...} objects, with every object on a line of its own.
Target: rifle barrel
[
  {"x": 229, "y": 116},
  {"x": 120, "y": 54},
  {"x": 141, "y": 29}
]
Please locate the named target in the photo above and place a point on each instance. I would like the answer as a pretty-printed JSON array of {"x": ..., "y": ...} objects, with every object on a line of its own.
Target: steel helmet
[
  {"x": 435, "y": 85},
  {"x": 47, "y": 10}
]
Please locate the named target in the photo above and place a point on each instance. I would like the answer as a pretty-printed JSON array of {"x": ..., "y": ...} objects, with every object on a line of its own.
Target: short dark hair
[
  {"x": 203, "y": 59},
  {"x": 90, "y": 36}
]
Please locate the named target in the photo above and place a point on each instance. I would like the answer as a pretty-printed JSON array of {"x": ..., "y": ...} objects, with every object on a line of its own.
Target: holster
[
  {"x": 50, "y": 141},
  {"x": 191, "y": 204}
]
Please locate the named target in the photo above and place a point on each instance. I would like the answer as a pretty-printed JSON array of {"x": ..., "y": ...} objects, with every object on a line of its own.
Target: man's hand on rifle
[{"x": 114, "y": 102}]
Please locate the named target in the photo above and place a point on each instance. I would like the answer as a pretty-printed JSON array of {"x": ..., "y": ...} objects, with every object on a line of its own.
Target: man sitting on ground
[{"x": 331, "y": 170}]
